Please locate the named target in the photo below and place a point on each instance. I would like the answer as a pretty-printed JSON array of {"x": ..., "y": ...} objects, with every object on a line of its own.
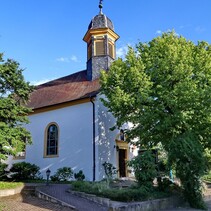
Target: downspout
[{"x": 92, "y": 99}]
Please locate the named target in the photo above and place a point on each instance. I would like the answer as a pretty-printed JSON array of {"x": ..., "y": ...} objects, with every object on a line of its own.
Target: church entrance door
[{"x": 122, "y": 162}]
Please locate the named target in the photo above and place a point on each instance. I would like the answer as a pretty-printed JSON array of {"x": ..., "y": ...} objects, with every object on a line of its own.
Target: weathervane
[{"x": 101, "y": 6}]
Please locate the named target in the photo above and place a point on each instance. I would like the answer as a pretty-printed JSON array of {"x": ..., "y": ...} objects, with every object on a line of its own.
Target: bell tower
[{"x": 101, "y": 44}]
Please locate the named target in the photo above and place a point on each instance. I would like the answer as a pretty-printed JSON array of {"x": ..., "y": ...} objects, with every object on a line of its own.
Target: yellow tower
[{"x": 101, "y": 44}]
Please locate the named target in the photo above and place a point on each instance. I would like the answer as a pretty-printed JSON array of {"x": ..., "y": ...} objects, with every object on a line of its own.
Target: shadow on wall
[{"x": 106, "y": 139}]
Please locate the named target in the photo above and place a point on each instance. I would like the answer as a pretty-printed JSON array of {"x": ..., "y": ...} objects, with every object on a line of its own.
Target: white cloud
[
  {"x": 168, "y": 30},
  {"x": 63, "y": 59},
  {"x": 122, "y": 51},
  {"x": 42, "y": 81},
  {"x": 185, "y": 26},
  {"x": 158, "y": 32},
  {"x": 74, "y": 59},
  {"x": 200, "y": 29}
]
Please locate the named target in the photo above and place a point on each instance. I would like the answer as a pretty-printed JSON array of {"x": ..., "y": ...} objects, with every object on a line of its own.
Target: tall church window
[
  {"x": 51, "y": 140},
  {"x": 99, "y": 47}
]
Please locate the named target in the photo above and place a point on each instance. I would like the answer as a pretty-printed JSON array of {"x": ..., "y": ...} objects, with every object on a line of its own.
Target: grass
[
  {"x": 10, "y": 185},
  {"x": 2, "y": 206},
  {"x": 207, "y": 177},
  {"x": 126, "y": 194}
]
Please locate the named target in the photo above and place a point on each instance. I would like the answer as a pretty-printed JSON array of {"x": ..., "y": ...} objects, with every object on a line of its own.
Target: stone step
[
  {"x": 52, "y": 199},
  {"x": 28, "y": 190}
]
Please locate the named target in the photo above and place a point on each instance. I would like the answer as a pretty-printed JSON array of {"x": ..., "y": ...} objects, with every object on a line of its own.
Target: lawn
[{"x": 10, "y": 185}]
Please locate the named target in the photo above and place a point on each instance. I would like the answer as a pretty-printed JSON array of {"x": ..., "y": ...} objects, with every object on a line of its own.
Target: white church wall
[
  {"x": 75, "y": 139},
  {"x": 105, "y": 140}
]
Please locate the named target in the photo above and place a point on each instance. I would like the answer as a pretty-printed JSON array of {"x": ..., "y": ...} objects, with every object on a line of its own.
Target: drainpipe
[{"x": 92, "y": 99}]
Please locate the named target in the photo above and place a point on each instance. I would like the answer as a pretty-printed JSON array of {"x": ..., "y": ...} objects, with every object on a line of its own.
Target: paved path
[
  {"x": 60, "y": 192},
  {"x": 30, "y": 203},
  {"x": 26, "y": 202},
  {"x": 81, "y": 204}
]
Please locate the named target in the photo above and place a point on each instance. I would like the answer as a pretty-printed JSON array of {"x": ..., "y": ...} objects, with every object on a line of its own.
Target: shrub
[
  {"x": 187, "y": 155},
  {"x": 164, "y": 184},
  {"x": 144, "y": 168},
  {"x": 207, "y": 177},
  {"x": 3, "y": 172},
  {"x": 127, "y": 195},
  {"x": 79, "y": 176},
  {"x": 162, "y": 167},
  {"x": 82, "y": 186},
  {"x": 62, "y": 174},
  {"x": 124, "y": 194},
  {"x": 110, "y": 170},
  {"x": 24, "y": 171}
]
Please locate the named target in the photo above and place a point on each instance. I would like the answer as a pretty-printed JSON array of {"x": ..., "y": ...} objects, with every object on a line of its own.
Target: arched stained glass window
[{"x": 52, "y": 140}]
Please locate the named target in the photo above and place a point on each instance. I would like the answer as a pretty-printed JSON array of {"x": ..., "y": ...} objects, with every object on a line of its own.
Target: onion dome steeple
[{"x": 100, "y": 39}]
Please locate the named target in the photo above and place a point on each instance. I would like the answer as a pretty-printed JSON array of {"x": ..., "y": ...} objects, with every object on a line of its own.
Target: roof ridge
[{"x": 60, "y": 80}]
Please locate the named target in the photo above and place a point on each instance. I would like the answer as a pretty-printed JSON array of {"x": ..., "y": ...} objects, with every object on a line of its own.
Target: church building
[{"x": 69, "y": 125}]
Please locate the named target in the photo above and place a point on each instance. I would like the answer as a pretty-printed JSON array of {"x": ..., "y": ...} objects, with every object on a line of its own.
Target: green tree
[
  {"x": 163, "y": 88},
  {"x": 14, "y": 92},
  {"x": 144, "y": 168}
]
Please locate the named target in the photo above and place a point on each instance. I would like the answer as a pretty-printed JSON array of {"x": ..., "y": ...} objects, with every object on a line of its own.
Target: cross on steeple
[{"x": 101, "y": 6}]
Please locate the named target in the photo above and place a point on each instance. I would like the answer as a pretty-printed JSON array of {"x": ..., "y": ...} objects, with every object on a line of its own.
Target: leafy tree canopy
[
  {"x": 163, "y": 88},
  {"x": 14, "y": 92}
]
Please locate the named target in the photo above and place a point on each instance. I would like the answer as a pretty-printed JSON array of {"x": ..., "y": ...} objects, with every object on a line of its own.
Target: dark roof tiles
[
  {"x": 101, "y": 21},
  {"x": 65, "y": 89}
]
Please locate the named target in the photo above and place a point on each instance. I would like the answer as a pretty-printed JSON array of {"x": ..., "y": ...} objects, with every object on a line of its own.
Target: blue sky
[{"x": 45, "y": 36}]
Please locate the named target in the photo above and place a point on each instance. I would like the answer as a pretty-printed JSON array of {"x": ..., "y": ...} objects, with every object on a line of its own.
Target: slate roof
[
  {"x": 101, "y": 21},
  {"x": 66, "y": 89}
]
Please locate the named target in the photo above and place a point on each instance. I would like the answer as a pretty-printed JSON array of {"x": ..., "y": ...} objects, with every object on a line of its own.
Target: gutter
[{"x": 92, "y": 99}]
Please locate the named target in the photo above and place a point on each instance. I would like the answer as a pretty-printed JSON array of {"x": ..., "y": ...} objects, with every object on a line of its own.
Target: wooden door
[{"x": 122, "y": 162}]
